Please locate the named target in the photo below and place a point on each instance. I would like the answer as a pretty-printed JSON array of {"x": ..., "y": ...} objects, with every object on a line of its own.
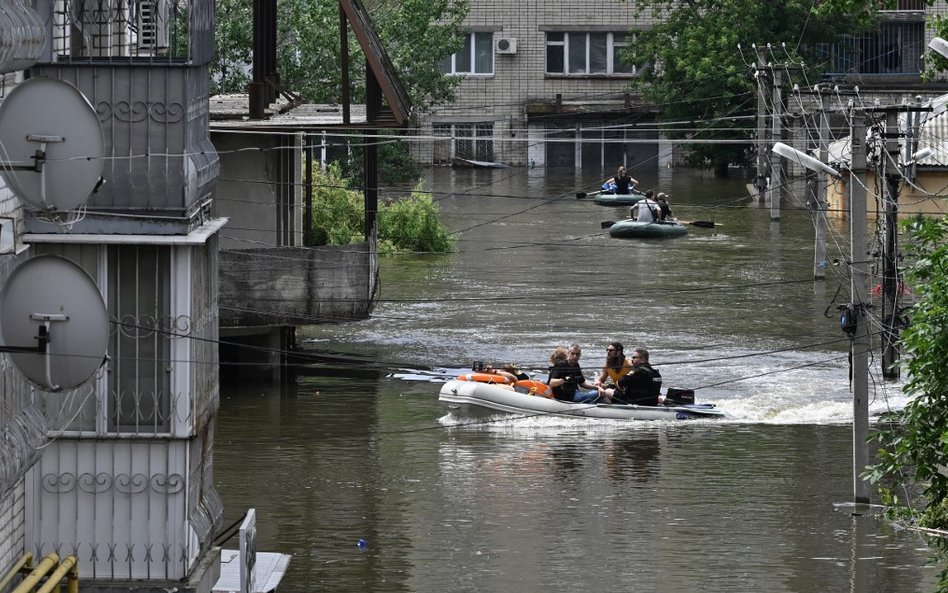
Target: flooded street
[{"x": 358, "y": 448}]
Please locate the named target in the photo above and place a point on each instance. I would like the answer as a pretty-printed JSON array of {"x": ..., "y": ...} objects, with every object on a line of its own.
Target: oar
[
  {"x": 581, "y": 195},
  {"x": 704, "y": 224}
]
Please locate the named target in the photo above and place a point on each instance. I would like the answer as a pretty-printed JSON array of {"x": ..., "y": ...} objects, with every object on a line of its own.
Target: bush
[
  {"x": 338, "y": 217},
  {"x": 409, "y": 224}
]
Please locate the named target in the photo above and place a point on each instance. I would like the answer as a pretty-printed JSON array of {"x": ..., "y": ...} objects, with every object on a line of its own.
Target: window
[
  {"x": 582, "y": 54},
  {"x": 475, "y": 58},
  {"x": 138, "y": 374},
  {"x": 469, "y": 141},
  {"x": 139, "y": 300},
  {"x": 896, "y": 48}
]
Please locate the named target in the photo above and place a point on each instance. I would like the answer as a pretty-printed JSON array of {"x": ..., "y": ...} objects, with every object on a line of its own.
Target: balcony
[
  {"x": 895, "y": 50},
  {"x": 22, "y": 36}
]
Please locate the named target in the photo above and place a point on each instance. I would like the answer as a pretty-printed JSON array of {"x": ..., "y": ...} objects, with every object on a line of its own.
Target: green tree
[
  {"x": 913, "y": 442},
  {"x": 699, "y": 62},
  {"x": 416, "y": 34}
]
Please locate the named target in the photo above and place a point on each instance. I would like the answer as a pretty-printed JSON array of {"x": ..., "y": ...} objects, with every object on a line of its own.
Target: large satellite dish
[
  {"x": 53, "y": 322},
  {"x": 50, "y": 144}
]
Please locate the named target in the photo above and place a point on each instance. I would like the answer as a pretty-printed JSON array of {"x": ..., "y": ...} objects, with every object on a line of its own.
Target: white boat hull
[{"x": 470, "y": 399}]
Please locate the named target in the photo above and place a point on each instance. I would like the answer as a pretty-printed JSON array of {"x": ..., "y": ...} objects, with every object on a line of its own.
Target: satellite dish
[
  {"x": 51, "y": 144},
  {"x": 53, "y": 322}
]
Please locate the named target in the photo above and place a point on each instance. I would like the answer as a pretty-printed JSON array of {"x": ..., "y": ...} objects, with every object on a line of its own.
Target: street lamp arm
[
  {"x": 940, "y": 45},
  {"x": 804, "y": 160}
]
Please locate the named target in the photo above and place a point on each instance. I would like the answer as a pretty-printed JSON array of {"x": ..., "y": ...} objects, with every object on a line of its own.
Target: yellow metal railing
[
  {"x": 24, "y": 563},
  {"x": 49, "y": 568}
]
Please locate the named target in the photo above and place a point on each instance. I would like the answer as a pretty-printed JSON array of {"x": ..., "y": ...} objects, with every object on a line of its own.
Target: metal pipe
[
  {"x": 25, "y": 562},
  {"x": 47, "y": 564},
  {"x": 68, "y": 566}
]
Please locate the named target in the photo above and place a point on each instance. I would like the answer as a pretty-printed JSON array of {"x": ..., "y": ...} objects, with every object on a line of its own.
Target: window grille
[
  {"x": 117, "y": 30},
  {"x": 896, "y": 48}
]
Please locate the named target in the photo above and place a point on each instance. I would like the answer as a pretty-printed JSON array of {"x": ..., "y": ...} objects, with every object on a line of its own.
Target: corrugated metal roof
[{"x": 933, "y": 133}]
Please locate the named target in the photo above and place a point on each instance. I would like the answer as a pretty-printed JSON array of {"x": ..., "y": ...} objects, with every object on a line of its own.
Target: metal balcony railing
[
  {"x": 164, "y": 31},
  {"x": 896, "y": 48}
]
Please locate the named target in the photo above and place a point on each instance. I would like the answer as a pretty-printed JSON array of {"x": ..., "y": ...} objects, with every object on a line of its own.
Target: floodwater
[{"x": 357, "y": 448}]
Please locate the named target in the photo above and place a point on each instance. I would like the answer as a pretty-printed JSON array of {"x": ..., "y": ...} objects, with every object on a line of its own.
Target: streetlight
[
  {"x": 940, "y": 45},
  {"x": 859, "y": 346},
  {"x": 924, "y": 153},
  {"x": 805, "y": 160}
]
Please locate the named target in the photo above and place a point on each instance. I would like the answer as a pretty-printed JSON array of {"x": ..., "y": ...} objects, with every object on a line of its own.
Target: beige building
[
  {"x": 537, "y": 77},
  {"x": 542, "y": 85}
]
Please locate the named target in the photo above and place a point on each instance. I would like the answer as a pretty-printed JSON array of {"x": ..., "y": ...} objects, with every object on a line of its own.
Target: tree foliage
[
  {"x": 913, "y": 443},
  {"x": 702, "y": 61},
  {"x": 416, "y": 34},
  {"x": 407, "y": 224}
]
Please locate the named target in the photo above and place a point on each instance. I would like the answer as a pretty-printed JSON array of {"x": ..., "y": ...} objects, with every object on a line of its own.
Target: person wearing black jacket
[
  {"x": 642, "y": 386},
  {"x": 566, "y": 376}
]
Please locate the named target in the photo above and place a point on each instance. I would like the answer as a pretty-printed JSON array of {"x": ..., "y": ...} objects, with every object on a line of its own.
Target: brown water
[{"x": 358, "y": 448}]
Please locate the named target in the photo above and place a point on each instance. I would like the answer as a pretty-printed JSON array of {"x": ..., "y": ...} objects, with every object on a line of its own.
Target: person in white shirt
[{"x": 646, "y": 209}]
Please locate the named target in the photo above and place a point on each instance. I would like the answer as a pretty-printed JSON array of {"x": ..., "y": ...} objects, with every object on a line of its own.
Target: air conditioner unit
[{"x": 506, "y": 45}]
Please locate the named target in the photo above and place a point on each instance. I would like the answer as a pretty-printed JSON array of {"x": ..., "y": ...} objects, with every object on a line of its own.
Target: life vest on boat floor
[
  {"x": 484, "y": 378},
  {"x": 531, "y": 387}
]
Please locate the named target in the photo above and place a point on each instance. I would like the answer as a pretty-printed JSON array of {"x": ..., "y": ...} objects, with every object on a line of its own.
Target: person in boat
[
  {"x": 646, "y": 209},
  {"x": 664, "y": 210},
  {"x": 566, "y": 376},
  {"x": 642, "y": 387},
  {"x": 623, "y": 181},
  {"x": 506, "y": 373},
  {"x": 616, "y": 366},
  {"x": 513, "y": 370}
]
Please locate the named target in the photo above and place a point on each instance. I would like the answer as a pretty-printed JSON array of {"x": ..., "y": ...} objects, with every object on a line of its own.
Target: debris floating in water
[{"x": 363, "y": 544}]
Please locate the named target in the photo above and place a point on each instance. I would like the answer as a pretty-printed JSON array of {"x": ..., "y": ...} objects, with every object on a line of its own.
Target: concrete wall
[{"x": 259, "y": 189}]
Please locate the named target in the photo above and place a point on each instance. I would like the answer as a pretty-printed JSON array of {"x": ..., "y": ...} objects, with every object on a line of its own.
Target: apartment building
[
  {"x": 542, "y": 85},
  {"x": 537, "y": 77}
]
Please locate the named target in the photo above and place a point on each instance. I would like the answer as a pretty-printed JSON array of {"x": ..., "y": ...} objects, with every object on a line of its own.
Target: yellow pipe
[
  {"x": 47, "y": 564},
  {"x": 26, "y": 561},
  {"x": 68, "y": 565}
]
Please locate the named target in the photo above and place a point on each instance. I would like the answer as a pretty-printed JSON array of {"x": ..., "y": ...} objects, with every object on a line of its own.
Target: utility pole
[
  {"x": 859, "y": 347},
  {"x": 775, "y": 135},
  {"x": 762, "y": 140},
  {"x": 820, "y": 196},
  {"x": 893, "y": 172},
  {"x": 890, "y": 252}
]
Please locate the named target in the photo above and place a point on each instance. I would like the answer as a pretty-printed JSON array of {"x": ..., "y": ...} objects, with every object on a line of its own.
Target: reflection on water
[
  {"x": 551, "y": 504},
  {"x": 513, "y": 503}
]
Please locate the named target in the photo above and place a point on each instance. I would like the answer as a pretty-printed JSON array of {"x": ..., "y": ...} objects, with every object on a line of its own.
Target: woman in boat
[
  {"x": 641, "y": 387},
  {"x": 566, "y": 376},
  {"x": 616, "y": 367},
  {"x": 623, "y": 181},
  {"x": 665, "y": 211}
]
